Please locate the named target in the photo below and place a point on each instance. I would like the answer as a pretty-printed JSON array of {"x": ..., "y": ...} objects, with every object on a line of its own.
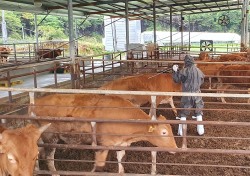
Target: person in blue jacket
[{"x": 191, "y": 79}]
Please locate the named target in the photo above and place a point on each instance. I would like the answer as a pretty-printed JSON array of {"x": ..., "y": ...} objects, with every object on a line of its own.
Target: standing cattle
[
  {"x": 242, "y": 80},
  {"x": 49, "y": 53},
  {"x": 18, "y": 150},
  {"x": 210, "y": 70},
  {"x": 162, "y": 82},
  {"x": 109, "y": 134},
  {"x": 4, "y": 54},
  {"x": 232, "y": 57}
]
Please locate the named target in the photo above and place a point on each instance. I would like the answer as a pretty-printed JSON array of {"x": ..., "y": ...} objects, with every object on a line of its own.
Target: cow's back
[
  {"x": 235, "y": 70},
  {"x": 145, "y": 82}
]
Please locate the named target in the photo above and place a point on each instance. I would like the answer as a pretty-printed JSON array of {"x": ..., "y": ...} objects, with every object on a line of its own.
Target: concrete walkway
[{"x": 44, "y": 80}]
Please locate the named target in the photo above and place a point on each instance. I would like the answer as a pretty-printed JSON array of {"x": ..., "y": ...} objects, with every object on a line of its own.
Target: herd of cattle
[
  {"x": 5, "y": 52},
  {"x": 91, "y": 107}
]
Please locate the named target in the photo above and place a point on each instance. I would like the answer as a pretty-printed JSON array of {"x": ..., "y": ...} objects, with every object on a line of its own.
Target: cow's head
[
  {"x": 58, "y": 52},
  {"x": 162, "y": 134},
  {"x": 19, "y": 150}
]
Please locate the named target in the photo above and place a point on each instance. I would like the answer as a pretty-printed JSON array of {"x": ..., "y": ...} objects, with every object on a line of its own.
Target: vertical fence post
[
  {"x": 9, "y": 85},
  {"x": 35, "y": 77},
  {"x": 29, "y": 53},
  {"x": 83, "y": 72},
  {"x": 14, "y": 48},
  {"x": 55, "y": 74},
  {"x": 93, "y": 67}
]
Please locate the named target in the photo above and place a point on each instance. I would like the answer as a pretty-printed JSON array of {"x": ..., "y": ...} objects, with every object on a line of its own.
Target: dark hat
[{"x": 189, "y": 60}]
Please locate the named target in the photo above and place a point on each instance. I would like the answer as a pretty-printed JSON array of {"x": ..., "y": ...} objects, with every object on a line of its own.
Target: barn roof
[{"x": 116, "y": 8}]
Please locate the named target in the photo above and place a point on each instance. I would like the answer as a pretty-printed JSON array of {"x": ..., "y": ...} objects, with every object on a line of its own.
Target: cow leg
[
  {"x": 152, "y": 112},
  {"x": 50, "y": 152},
  {"x": 210, "y": 83},
  {"x": 41, "y": 154},
  {"x": 100, "y": 160},
  {"x": 171, "y": 102},
  {"x": 50, "y": 160},
  {"x": 120, "y": 156},
  {"x": 153, "y": 169},
  {"x": 93, "y": 125}
]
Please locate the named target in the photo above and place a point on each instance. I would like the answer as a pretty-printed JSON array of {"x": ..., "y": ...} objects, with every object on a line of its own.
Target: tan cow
[
  {"x": 233, "y": 70},
  {"x": 152, "y": 51},
  {"x": 19, "y": 150},
  {"x": 162, "y": 82},
  {"x": 99, "y": 107}
]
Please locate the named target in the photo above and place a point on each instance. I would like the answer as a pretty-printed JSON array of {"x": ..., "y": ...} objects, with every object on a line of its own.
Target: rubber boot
[
  {"x": 200, "y": 128},
  {"x": 180, "y": 132}
]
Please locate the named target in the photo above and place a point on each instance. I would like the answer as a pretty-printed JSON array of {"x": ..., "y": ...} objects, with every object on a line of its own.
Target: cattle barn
[{"x": 101, "y": 124}]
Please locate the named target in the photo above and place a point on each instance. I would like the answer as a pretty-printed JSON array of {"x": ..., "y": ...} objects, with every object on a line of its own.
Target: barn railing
[{"x": 222, "y": 150}]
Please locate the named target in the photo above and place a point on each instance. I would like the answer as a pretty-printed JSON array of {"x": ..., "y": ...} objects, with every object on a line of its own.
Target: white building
[
  {"x": 115, "y": 33},
  {"x": 163, "y": 37}
]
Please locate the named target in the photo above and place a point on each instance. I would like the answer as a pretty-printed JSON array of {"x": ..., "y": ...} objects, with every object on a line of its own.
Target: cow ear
[
  {"x": 43, "y": 128},
  {"x": 161, "y": 117}
]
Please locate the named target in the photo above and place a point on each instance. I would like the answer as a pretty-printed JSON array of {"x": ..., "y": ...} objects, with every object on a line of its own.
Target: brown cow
[
  {"x": 233, "y": 70},
  {"x": 204, "y": 56},
  {"x": 4, "y": 54},
  {"x": 210, "y": 70},
  {"x": 99, "y": 107},
  {"x": 19, "y": 150},
  {"x": 162, "y": 82},
  {"x": 49, "y": 53},
  {"x": 231, "y": 57}
]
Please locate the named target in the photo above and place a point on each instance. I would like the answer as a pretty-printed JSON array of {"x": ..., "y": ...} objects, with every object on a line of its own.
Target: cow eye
[
  {"x": 11, "y": 158},
  {"x": 164, "y": 132}
]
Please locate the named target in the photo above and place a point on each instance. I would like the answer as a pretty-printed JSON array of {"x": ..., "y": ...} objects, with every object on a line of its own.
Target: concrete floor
[{"x": 48, "y": 79}]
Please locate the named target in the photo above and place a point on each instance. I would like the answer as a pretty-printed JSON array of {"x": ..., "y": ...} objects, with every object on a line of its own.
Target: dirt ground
[{"x": 183, "y": 163}]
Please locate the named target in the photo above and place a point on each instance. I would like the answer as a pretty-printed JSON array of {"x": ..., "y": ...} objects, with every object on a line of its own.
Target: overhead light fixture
[{"x": 38, "y": 3}]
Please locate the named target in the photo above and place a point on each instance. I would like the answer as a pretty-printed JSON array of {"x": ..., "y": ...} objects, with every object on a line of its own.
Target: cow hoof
[{"x": 98, "y": 169}]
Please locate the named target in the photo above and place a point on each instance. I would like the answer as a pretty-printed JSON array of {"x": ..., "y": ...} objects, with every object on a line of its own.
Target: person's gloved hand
[{"x": 175, "y": 68}]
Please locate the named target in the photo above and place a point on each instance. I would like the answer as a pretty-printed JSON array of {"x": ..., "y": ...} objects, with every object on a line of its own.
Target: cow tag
[{"x": 151, "y": 129}]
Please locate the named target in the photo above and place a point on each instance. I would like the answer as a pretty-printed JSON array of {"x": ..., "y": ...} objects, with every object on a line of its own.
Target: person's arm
[{"x": 178, "y": 76}]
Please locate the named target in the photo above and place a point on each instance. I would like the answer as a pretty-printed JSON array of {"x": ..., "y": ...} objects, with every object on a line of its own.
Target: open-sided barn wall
[{"x": 115, "y": 33}]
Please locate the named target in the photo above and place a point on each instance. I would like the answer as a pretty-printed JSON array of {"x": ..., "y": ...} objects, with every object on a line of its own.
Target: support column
[
  {"x": 74, "y": 66},
  {"x": 244, "y": 24},
  {"x": 171, "y": 31},
  {"x": 154, "y": 16},
  {"x": 127, "y": 24},
  {"x": 36, "y": 33},
  {"x": 4, "y": 29},
  {"x": 246, "y": 21},
  {"x": 189, "y": 34},
  {"x": 181, "y": 29}
]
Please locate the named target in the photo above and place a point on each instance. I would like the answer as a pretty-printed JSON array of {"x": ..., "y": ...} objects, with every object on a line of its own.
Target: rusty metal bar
[
  {"x": 158, "y": 149},
  {"x": 118, "y": 92},
  {"x": 79, "y": 119}
]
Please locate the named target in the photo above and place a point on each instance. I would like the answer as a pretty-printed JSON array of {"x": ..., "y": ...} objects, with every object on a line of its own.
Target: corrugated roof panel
[{"x": 107, "y": 7}]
